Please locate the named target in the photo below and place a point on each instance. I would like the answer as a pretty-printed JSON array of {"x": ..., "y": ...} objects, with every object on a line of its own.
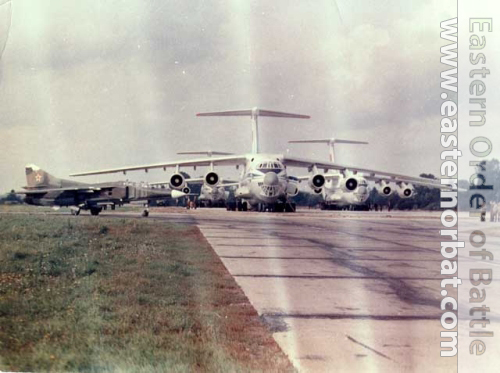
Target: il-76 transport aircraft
[
  {"x": 355, "y": 193},
  {"x": 43, "y": 189},
  {"x": 213, "y": 192},
  {"x": 264, "y": 182}
]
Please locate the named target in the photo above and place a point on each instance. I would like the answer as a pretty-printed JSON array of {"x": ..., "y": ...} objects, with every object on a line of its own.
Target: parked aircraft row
[{"x": 265, "y": 182}]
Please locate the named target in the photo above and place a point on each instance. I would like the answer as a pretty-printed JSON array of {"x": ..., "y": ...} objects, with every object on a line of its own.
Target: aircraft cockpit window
[{"x": 270, "y": 166}]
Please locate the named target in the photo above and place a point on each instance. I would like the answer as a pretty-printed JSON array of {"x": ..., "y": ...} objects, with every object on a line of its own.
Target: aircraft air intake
[
  {"x": 177, "y": 181},
  {"x": 405, "y": 191},
  {"x": 212, "y": 178},
  {"x": 351, "y": 184},
  {"x": 317, "y": 181},
  {"x": 384, "y": 188}
]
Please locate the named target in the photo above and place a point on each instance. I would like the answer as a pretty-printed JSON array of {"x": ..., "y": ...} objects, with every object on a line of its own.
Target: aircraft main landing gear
[
  {"x": 242, "y": 206},
  {"x": 95, "y": 210}
]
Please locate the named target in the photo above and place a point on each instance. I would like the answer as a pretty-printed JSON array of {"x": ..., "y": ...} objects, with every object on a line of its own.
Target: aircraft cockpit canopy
[{"x": 270, "y": 166}]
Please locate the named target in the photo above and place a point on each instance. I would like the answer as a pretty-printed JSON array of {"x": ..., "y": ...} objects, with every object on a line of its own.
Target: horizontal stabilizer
[
  {"x": 327, "y": 141},
  {"x": 253, "y": 113},
  {"x": 337, "y": 141},
  {"x": 208, "y": 152},
  {"x": 330, "y": 142}
]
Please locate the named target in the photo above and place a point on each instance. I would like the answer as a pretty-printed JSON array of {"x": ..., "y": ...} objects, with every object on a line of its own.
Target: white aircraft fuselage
[
  {"x": 213, "y": 193},
  {"x": 263, "y": 179}
]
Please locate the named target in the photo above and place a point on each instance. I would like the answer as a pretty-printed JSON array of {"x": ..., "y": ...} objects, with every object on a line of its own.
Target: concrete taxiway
[{"x": 343, "y": 292}]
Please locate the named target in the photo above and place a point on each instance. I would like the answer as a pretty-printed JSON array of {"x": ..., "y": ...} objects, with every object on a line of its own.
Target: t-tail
[
  {"x": 330, "y": 142},
  {"x": 254, "y": 114}
]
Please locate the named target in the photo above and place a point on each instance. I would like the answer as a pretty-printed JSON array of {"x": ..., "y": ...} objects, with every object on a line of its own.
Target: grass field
[{"x": 126, "y": 295}]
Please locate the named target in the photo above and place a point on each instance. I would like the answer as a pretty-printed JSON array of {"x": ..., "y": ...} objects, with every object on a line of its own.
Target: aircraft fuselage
[{"x": 263, "y": 180}]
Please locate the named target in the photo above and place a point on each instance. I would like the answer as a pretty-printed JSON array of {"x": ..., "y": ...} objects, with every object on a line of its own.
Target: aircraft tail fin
[
  {"x": 254, "y": 114},
  {"x": 38, "y": 178}
]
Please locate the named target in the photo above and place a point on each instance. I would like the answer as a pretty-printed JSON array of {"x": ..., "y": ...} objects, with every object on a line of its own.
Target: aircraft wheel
[
  {"x": 95, "y": 211},
  {"x": 145, "y": 213},
  {"x": 244, "y": 206}
]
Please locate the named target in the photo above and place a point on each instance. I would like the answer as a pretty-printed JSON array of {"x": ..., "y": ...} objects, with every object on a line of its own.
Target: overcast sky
[{"x": 96, "y": 84}]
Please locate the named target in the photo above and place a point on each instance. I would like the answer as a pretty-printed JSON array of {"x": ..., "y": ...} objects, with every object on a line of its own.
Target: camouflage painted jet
[{"x": 43, "y": 189}]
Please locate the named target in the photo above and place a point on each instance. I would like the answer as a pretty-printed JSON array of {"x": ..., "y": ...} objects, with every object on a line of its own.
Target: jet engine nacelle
[
  {"x": 317, "y": 181},
  {"x": 292, "y": 189},
  {"x": 350, "y": 184},
  {"x": 177, "y": 181},
  {"x": 405, "y": 190},
  {"x": 384, "y": 189},
  {"x": 186, "y": 190},
  {"x": 212, "y": 178}
]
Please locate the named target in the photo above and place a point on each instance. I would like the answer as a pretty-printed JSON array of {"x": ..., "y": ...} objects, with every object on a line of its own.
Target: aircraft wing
[
  {"x": 194, "y": 180},
  {"x": 229, "y": 184},
  {"x": 327, "y": 176},
  {"x": 230, "y": 160},
  {"x": 368, "y": 174}
]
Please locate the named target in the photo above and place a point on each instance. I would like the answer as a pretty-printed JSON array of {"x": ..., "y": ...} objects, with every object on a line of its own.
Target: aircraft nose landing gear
[
  {"x": 145, "y": 213},
  {"x": 75, "y": 211}
]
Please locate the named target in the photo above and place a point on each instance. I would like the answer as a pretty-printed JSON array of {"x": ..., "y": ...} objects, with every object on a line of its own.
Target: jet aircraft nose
[{"x": 271, "y": 179}]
